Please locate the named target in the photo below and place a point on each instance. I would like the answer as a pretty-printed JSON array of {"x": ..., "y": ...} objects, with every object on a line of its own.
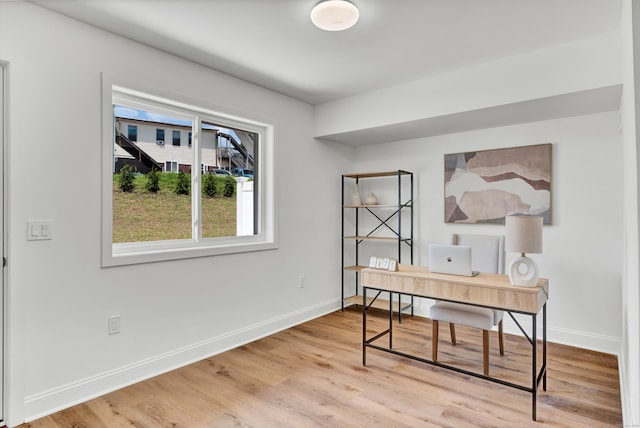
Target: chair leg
[
  {"x": 452, "y": 329},
  {"x": 485, "y": 351},
  {"x": 500, "y": 339},
  {"x": 434, "y": 341}
]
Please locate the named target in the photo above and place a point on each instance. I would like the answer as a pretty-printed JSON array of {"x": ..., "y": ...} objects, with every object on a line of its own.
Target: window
[
  {"x": 132, "y": 133},
  {"x": 160, "y": 136},
  {"x": 170, "y": 166},
  {"x": 185, "y": 217}
]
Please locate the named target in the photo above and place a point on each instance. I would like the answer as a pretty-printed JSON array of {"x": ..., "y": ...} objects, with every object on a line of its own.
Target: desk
[{"x": 485, "y": 290}]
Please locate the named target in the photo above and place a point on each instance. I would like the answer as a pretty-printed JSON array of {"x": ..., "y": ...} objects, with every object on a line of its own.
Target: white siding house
[{"x": 169, "y": 145}]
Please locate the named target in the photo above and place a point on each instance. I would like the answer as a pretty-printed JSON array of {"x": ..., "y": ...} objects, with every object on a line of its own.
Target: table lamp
[{"x": 523, "y": 235}]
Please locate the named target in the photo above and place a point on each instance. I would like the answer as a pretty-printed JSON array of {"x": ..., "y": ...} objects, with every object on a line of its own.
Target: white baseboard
[
  {"x": 64, "y": 396},
  {"x": 627, "y": 415},
  {"x": 581, "y": 339}
]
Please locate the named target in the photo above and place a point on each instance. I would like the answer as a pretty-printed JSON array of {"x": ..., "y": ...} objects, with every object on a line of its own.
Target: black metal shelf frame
[{"x": 383, "y": 222}]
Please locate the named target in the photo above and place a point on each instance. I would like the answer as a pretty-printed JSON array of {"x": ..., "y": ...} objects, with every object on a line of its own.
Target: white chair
[{"x": 487, "y": 255}]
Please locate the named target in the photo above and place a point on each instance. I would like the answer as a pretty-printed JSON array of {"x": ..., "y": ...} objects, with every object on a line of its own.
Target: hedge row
[{"x": 179, "y": 183}]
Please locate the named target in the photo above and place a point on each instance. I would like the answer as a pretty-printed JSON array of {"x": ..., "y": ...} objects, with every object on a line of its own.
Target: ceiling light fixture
[{"x": 334, "y": 15}]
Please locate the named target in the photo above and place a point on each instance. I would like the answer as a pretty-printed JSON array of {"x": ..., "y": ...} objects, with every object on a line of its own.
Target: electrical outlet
[
  {"x": 301, "y": 281},
  {"x": 114, "y": 324}
]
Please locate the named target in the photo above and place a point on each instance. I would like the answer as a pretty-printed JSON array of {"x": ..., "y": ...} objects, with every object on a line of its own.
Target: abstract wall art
[{"x": 486, "y": 186}]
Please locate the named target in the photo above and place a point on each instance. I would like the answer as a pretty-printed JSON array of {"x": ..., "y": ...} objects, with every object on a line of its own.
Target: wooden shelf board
[
  {"x": 370, "y": 206},
  {"x": 355, "y": 268},
  {"x": 376, "y": 174},
  {"x": 378, "y": 304},
  {"x": 371, "y": 238}
]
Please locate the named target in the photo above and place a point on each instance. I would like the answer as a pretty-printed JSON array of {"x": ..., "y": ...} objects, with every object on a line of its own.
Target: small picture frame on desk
[{"x": 383, "y": 263}]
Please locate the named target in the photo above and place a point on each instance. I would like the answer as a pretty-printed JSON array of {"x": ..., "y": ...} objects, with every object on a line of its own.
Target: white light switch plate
[{"x": 38, "y": 230}]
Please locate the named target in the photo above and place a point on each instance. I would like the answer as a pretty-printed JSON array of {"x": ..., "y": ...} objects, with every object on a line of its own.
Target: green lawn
[{"x": 143, "y": 216}]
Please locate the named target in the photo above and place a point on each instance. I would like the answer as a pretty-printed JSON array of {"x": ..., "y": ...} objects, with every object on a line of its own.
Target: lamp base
[{"x": 523, "y": 272}]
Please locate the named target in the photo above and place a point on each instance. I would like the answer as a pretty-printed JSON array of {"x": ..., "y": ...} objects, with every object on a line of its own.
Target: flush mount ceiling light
[{"x": 334, "y": 15}]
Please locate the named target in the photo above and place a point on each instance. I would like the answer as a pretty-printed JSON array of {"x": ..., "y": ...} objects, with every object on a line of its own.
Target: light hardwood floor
[{"x": 311, "y": 375}]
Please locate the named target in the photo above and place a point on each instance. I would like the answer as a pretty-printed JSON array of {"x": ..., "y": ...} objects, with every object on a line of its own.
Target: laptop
[{"x": 450, "y": 259}]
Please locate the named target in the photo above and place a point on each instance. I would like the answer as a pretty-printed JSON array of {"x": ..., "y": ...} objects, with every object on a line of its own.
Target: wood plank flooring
[{"x": 312, "y": 375}]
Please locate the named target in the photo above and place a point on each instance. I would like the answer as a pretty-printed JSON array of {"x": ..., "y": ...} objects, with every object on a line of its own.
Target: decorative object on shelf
[
  {"x": 356, "y": 199},
  {"x": 523, "y": 235},
  {"x": 371, "y": 199},
  {"x": 383, "y": 263},
  {"x": 334, "y": 15},
  {"x": 485, "y": 186}
]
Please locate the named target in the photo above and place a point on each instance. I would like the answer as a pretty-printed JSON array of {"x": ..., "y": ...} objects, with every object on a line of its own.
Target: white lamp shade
[
  {"x": 334, "y": 15},
  {"x": 523, "y": 234}
]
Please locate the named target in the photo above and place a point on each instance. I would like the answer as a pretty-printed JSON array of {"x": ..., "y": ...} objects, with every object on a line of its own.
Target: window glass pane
[
  {"x": 133, "y": 133},
  {"x": 227, "y": 149},
  {"x": 143, "y": 212},
  {"x": 170, "y": 166},
  {"x": 176, "y": 138}
]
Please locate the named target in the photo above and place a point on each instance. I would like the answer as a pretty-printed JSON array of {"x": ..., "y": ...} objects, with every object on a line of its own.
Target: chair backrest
[{"x": 487, "y": 251}]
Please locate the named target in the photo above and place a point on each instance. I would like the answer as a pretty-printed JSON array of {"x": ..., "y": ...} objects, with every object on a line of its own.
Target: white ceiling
[{"x": 272, "y": 42}]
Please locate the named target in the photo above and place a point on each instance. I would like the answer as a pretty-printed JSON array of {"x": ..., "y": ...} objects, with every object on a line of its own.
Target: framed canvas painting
[{"x": 486, "y": 186}]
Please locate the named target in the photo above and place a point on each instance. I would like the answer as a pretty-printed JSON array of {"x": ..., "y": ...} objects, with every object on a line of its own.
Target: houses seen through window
[
  {"x": 171, "y": 201},
  {"x": 145, "y": 213}
]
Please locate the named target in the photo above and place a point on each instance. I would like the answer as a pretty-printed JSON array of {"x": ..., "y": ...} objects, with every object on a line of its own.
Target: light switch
[
  {"x": 44, "y": 230},
  {"x": 38, "y": 230}
]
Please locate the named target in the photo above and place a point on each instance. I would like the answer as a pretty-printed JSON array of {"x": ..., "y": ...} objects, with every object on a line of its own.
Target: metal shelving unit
[{"x": 387, "y": 219}]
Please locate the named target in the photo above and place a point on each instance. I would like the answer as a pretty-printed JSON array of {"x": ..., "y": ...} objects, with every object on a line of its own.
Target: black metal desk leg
[
  {"x": 534, "y": 371},
  {"x": 391, "y": 319},
  {"x": 544, "y": 346},
  {"x": 364, "y": 326}
]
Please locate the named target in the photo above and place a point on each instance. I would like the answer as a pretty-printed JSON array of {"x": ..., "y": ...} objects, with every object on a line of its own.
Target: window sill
[{"x": 138, "y": 253}]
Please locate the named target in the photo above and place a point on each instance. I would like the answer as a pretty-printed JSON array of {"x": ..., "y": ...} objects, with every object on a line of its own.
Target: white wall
[
  {"x": 582, "y": 248},
  {"x": 59, "y": 297},
  {"x": 630, "y": 313}
]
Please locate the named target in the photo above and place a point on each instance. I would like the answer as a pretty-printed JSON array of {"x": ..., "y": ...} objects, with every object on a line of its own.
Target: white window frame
[
  {"x": 117, "y": 90},
  {"x": 171, "y": 163}
]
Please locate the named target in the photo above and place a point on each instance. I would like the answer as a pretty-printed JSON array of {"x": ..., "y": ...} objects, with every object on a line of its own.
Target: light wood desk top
[{"x": 485, "y": 289}]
